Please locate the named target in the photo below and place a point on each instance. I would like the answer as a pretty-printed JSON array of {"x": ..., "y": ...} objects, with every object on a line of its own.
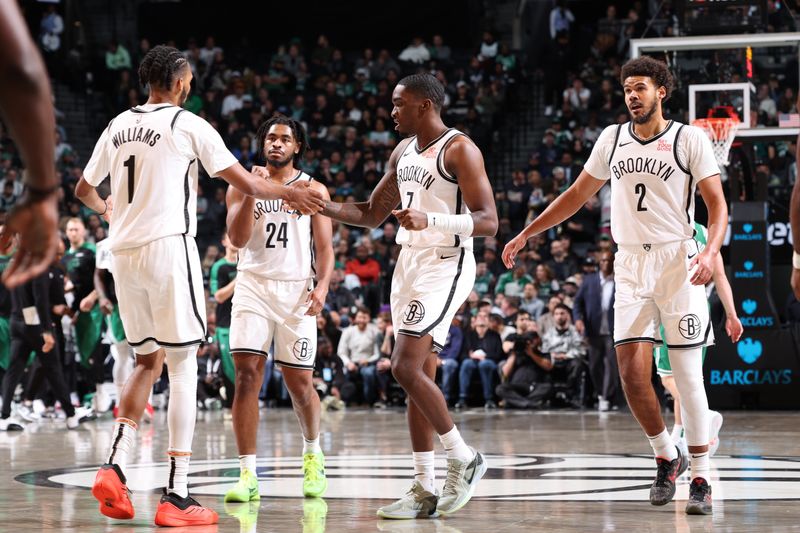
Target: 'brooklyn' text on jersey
[{"x": 640, "y": 165}]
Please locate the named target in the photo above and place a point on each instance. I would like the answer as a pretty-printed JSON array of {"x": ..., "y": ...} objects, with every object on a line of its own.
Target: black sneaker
[
  {"x": 699, "y": 497},
  {"x": 663, "y": 488}
]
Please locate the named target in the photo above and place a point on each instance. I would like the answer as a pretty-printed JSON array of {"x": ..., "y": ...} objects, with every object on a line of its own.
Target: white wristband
[
  {"x": 795, "y": 259},
  {"x": 453, "y": 224}
]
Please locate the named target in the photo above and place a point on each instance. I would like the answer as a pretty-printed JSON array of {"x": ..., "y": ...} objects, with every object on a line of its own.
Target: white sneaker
[
  {"x": 12, "y": 423},
  {"x": 683, "y": 446},
  {"x": 39, "y": 407},
  {"x": 459, "y": 486},
  {"x": 81, "y": 415},
  {"x": 603, "y": 405},
  {"x": 101, "y": 400},
  {"x": 713, "y": 433},
  {"x": 27, "y": 414}
]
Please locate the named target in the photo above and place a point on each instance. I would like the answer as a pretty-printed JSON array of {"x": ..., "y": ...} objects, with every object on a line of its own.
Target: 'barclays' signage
[
  {"x": 751, "y": 377},
  {"x": 749, "y": 350},
  {"x": 748, "y": 234},
  {"x": 749, "y": 272},
  {"x": 750, "y": 319}
]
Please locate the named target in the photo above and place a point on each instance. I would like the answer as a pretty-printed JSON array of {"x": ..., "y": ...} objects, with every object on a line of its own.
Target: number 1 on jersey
[{"x": 130, "y": 164}]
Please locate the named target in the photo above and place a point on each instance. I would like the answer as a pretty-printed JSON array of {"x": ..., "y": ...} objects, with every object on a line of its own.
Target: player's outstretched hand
[
  {"x": 733, "y": 327},
  {"x": 411, "y": 219},
  {"x": 705, "y": 268},
  {"x": 315, "y": 301},
  {"x": 512, "y": 249},
  {"x": 304, "y": 199},
  {"x": 36, "y": 223}
]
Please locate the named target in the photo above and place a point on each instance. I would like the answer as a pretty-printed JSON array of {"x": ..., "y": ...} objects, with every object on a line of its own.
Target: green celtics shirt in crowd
[
  {"x": 5, "y": 314},
  {"x": 80, "y": 265},
  {"x": 661, "y": 353},
  {"x": 222, "y": 273}
]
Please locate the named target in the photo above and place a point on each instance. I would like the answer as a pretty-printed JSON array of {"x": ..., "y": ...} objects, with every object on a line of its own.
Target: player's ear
[{"x": 661, "y": 92}]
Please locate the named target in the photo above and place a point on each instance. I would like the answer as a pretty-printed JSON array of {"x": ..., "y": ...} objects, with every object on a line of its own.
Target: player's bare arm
[
  {"x": 102, "y": 294},
  {"x": 27, "y": 108},
  {"x": 299, "y": 195},
  {"x": 711, "y": 191},
  {"x": 563, "y": 207},
  {"x": 89, "y": 197},
  {"x": 464, "y": 160},
  {"x": 384, "y": 198},
  {"x": 322, "y": 230},
  {"x": 240, "y": 216},
  {"x": 794, "y": 217},
  {"x": 733, "y": 326}
]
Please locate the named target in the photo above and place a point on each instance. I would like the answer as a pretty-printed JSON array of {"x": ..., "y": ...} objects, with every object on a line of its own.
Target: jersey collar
[{"x": 651, "y": 139}]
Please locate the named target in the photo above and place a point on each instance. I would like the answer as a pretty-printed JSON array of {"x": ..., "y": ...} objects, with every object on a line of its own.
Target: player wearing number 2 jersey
[
  {"x": 281, "y": 255},
  {"x": 655, "y": 167},
  {"x": 152, "y": 153}
]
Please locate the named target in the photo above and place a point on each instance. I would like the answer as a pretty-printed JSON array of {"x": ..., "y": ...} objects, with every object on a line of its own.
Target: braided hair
[
  {"x": 160, "y": 66},
  {"x": 298, "y": 131}
]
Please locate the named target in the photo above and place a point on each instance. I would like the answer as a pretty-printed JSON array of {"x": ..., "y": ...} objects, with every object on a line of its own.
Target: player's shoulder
[{"x": 688, "y": 131}]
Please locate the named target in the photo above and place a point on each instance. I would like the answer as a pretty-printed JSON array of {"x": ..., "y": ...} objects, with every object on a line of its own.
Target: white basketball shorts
[
  {"x": 267, "y": 309},
  {"x": 160, "y": 294},
  {"x": 653, "y": 288},
  {"x": 428, "y": 287}
]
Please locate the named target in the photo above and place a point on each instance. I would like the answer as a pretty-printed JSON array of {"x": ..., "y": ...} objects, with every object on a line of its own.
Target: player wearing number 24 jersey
[{"x": 655, "y": 166}]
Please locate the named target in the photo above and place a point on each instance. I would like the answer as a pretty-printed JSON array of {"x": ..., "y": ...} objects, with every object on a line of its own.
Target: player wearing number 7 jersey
[
  {"x": 152, "y": 153},
  {"x": 655, "y": 166}
]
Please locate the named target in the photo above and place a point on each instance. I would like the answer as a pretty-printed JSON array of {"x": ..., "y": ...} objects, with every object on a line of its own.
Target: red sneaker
[
  {"x": 176, "y": 511},
  {"x": 148, "y": 413},
  {"x": 116, "y": 412},
  {"x": 111, "y": 491}
]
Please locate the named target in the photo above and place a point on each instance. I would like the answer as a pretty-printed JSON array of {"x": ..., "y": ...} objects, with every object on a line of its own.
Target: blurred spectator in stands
[
  {"x": 525, "y": 376},
  {"x": 210, "y": 51},
  {"x": 484, "y": 280},
  {"x": 577, "y": 96},
  {"x": 7, "y": 197},
  {"x": 564, "y": 345},
  {"x": 329, "y": 378},
  {"x": 561, "y": 19},
  {"x": 517, "y": 195},
  {"x": 327, "y": 326},
  {"x": 235, "y": 100},
  {"x": 449, "y": 358},
  {"x": 117, "y": 57},
  {"x": 359, "y": 350},
  {"x": 484, "y": 351},
  {"x": 11, "y": 179},
  {"x": 416, "y": 52},
  {"x": 561, "y": 264},
  {"x": 488, "y": 49},
  {"x": 498, "y": 325},
  {"x": 439, "y": 51},
  {"x": 546, "y": 320},
  {"x": 545, "y": 282},
  {"x": 512, "y": 282},
  {"x": 530, "y": 301},
  {"x": 50, "y": 29}
]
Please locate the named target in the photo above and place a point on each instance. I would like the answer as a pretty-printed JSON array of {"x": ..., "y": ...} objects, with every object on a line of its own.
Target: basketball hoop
[{"x": 721, "y": 131}]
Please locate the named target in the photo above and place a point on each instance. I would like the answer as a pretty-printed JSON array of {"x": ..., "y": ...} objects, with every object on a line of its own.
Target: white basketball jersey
[
  {"x": 281, "y": 246},
  {"x": 653, "y": 181},
  {"x": 152, "y": 153},
  {"x": 103, "y": 257},
  {"x": 425, "y": 185}
]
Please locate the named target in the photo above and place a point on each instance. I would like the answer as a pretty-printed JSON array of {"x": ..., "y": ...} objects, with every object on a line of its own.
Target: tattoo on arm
[{"x": 384, "y": 198}]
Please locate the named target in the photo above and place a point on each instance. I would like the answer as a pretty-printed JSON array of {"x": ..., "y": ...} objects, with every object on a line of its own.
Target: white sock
[
  {"x": 677, "y": 432},
  {"x": 455, "y": 446},
  {"x": 311, "y": 445},
  {"x": 122, "y": 441},
  {"x": 700, "y": 465},
  {"x": 663, "y": 446},
  {"x": 248, "y": 462},
  {"x": 423, "y": 470},
  {"x": 179, "y": 473}
]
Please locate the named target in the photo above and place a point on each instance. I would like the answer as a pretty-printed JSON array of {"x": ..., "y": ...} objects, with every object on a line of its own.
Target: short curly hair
[
  {"x": 653, "y": 69},
  {"x": 298, "y": 131}
]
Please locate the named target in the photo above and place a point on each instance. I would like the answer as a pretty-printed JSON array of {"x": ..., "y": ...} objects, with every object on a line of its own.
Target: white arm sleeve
[
  {"x": 597, "y": 164},
  {"x": 97, "y": 168},
  {"x": 696, "y": 153},
  {"x": 197, "y": 138}
]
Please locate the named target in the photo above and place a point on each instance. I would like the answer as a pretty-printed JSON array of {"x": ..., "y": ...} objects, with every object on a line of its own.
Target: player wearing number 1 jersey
[
  {"x": 655, "y": 166},
  {"x": 285, "y": 267},
  {"x": 152, "y": 153}
]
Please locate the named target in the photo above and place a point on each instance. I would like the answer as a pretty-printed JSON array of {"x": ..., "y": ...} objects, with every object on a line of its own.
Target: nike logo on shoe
[{"x": 474, "y": 467}]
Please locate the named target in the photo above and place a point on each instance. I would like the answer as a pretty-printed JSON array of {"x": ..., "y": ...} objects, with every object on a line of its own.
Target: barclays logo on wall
[
  {"x": 749, "y": 271},
  {"x": 747, "y": 234},
  {"x": 749, "y": 351},
  {"x": 750, "y": 319}
]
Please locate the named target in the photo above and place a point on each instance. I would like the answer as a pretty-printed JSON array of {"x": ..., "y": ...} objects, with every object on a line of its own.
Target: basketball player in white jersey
[
  {"x": 438, "y": 178},
  {"x": 152, "y": 153},
  {"x": 655, "y": 165},
  {"x": 285, "y": 266}
]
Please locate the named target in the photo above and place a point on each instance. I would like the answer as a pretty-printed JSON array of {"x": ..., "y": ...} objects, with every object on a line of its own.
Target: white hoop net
[{"x": 721, "y": 131}]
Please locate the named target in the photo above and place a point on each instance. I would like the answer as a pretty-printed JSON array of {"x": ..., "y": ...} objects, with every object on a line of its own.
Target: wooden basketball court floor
[{"x": 548, "y": 471}]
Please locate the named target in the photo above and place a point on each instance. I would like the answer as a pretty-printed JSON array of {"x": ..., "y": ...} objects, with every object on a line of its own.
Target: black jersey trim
[
  {"x": 251, "y": 351},
  {"x": 175, "y": 119},
  {"x": 651, "y": 139},
  {"x": 631, "y": 340},
  {"x": 614, "y": 146},
  {"x": 449, "y": 296},
  {"x": 294, "y": 365},
  {"x": 689, "y": 197},
  {"x": 440, "y": 160},
  {"x": 458, "y": 212},
  {"x": 135, "y": 110},
  {"x": 695, "y": 344},
  {"x": 167, "y": 344},
  {"x": 186, "y": 195},
  {"x": 436, "y": 140},
  {"x": 191, "y": 287},
  {"x": 297, "y": 177},
  {"x": 675, "y": 151},
  {"x": 436, "y": 347}
]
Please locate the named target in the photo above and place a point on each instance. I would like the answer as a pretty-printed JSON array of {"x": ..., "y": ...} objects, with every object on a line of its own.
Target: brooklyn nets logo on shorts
[
  {"x": 302, "y": 349},
  {"x": 534, "y": 476},
  {"x": 689, "y": 326},
  {"x": 414, "y": 313}
]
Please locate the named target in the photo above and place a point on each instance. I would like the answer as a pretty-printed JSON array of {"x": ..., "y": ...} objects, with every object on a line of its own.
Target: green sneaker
[
  {"x": 245, "y": 490},
  {"x": 314, "y": 512},
  {"x": 314, "y": 480}
]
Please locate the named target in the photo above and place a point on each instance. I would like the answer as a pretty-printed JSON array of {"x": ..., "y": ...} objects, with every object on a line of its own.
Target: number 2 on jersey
[
  {"x": 130, "y": 164},
  {"x": 281, "y": 237},
  {"x": 641, "y": 190}
]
